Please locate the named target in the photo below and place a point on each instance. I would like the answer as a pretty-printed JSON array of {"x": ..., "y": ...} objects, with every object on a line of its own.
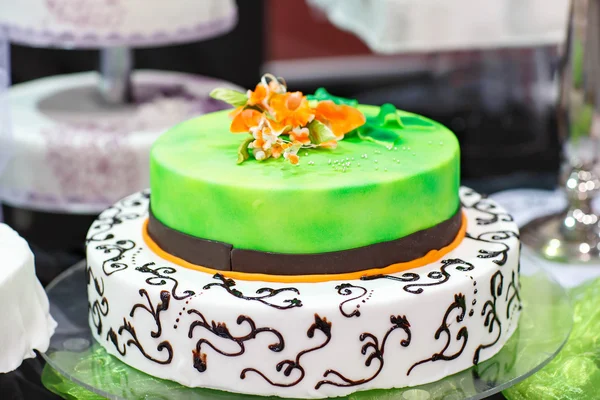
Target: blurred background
[{"x": 487, "y": 72}]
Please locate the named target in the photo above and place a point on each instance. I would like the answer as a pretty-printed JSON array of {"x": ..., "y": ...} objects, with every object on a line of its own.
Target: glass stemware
[{"x": 574, "y": 235}]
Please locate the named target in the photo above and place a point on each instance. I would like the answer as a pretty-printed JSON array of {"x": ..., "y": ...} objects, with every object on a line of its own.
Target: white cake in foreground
[
  {"x": 99, "y": 23},
  {"x": 303, "y": 340},
  {"x": 26, "y": 321}
]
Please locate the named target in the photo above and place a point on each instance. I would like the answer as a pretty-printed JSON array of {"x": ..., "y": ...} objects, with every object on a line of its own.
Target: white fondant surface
[
  {"x": 26, "y": 321},
  {"x": 100, "y": 23},
  {"x": 400, "y": 330},
  {"x": 72, "y": 153}
]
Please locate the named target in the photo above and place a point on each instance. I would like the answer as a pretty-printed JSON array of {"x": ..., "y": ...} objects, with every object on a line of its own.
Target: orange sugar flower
[
  {"x": 244, "y": 119},
  {"x": 292, "y": 109},
  {"x": 330, "y": 144},
  {"x": 300, "y": 135},
  {"x": 256, "y": 97},
  {"x": 293, "y": 158},
  {"x": 341, "y": 119}
]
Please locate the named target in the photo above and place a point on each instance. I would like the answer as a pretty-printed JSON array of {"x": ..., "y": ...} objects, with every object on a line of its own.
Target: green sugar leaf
[
  {"x": 384, "y": 137},
  {"x": 321, "y": 94},
  {"x": 230, "y": 96},
  {"x": 243, "y": 153},
  {"x": 387, "y": 118},
  {"x": 319, "y": 132},
  {"x": 414, "y": 121}
]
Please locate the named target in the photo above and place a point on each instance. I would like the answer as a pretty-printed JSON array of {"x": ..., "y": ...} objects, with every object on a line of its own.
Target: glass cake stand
[{"x": 544, "y": 327}]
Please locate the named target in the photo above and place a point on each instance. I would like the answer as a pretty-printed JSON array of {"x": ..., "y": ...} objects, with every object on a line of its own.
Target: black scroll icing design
[
  {"x": 115, "y": 215},
  {"x": 377, "y": 352},
  {"x": 165, "y": 298},
  {"x": 439, "y": 277},
  {"x": 357, "y": 293},
  {"x": 462, "y": 335},
  {"x": 491, "y": 316},
  {"x": 500, "y": 256},
  {"x": 163, "y": 305},
  {"x": 264, "y": 295},
  {"x": 99, "y": 308},
  {"x": 113, "y": 337},
  {"x": 288, "y": 366},
  {"x": 221, "y": 330},
  {"x": 161, "y": 276},
  {"x": 514, "y": 287},
  {"x": 116, "y": 251},
  {"x": 486, "y": 206}
]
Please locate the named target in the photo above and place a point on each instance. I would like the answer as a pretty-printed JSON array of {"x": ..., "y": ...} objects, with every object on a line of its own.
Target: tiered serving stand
[{"x": 81, "y": 141}]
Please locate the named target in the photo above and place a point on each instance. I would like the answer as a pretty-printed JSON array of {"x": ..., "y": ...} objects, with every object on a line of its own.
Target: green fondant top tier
[{"x": 313, "y": 207}]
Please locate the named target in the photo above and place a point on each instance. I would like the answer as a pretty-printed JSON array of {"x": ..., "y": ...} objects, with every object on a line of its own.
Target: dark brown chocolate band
[{"x": 225, "y": 257}]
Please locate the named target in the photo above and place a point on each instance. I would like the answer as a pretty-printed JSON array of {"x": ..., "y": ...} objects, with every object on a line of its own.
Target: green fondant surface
[{"x": 314, "y": 207}]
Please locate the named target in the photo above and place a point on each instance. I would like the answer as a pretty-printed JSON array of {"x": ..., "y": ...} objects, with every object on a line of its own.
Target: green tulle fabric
[{"x": 575, "y": 372}]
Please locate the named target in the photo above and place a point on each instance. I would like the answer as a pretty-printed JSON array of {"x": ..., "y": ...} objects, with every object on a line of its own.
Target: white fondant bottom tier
[{"x": 303, "y": 340}]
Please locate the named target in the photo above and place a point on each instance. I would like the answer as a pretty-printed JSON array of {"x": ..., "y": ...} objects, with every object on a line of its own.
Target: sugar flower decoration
[{"x": 281, "y": 123}]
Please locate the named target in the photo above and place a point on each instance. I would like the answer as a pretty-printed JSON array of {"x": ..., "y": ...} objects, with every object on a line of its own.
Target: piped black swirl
[
  {"x": 221, "y": 330},
  {"x": 99, "y": 308},
  {"x": 406, "y": 277},
  {"x": 347, "y": 289},
  {"x": 165, "y": 298},
  {"x": 491, "y": 316},
  {"x": 263, "y": 295},
  {"x": 462, "y": 335},
  {"x": 288, "y": 366},
  {"x": 113, "y": 337},
  {"x": 495, "y": 238},
  {"x": 513, "y": 287},
  {"x": 112, "y": 264},
  {"x": 161, "y": 277},
  {"x": 377, "y": 353},
  {"x": 487, "y": 207},
  {"x": 440, "y": 277},
  {"x": 115, "y": 215}
]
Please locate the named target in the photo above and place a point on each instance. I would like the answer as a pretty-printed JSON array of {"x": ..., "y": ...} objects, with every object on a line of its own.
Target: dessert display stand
[
  {"x": 543, "y": 329},
  {"x": 82, "y": 140}
]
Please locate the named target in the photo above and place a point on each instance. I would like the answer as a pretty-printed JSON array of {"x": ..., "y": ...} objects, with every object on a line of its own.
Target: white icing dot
[
  {"x": 414, "y": 154},
  {"x": 306, "y": 153},
  {"x": 376, "y": 168},
  {"x": 376, "y": 161},
  {"x": 358, "y": 164},
  {"x": 403, "y": 147},
  {"x": 385, "y": 169},
  {"x": 430, "y": 142},
  {"x": 441, "y": 143},
  {"x": 311, "y": 163},
  {"x": 329, "y": 162},
  {"x": 395, "y": 148}
]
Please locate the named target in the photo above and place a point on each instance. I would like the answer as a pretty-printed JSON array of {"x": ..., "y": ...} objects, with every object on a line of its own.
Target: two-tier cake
[{"x": 324, "y": 248}]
